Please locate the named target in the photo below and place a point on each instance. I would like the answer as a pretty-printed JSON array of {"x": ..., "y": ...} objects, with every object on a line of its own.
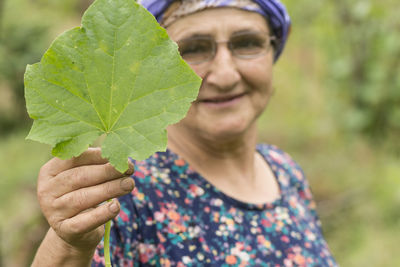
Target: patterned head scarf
[{"x": 273, "y": 10}]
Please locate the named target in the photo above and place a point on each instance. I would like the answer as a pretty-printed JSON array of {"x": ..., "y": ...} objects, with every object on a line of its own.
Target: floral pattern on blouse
[{"x": 174, "y": 217}]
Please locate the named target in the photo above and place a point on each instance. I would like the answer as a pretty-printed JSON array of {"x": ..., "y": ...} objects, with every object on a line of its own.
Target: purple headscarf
[{"x": 273, "y": 10}]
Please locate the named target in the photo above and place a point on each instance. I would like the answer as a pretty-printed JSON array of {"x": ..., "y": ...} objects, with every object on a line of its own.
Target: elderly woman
[{"x": 215, "y": 197}]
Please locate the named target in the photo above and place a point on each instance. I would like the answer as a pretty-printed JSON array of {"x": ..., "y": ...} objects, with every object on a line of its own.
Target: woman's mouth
[{"x": 222, "y": 101}]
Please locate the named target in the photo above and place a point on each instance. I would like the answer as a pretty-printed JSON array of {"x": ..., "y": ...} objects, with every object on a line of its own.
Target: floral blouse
[{"x": 174, "y": 217}]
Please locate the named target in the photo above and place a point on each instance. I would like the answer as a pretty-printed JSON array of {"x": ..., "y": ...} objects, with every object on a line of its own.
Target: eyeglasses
[{"x": 244, "y": 45}]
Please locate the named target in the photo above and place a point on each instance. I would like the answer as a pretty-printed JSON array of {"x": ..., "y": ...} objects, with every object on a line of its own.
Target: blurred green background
[{"x": 336, "y": 110}]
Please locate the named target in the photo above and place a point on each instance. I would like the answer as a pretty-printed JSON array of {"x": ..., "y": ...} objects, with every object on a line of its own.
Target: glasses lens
[
  {"x": 247, "y": 45},
  {"x": 196, "y": 50}
]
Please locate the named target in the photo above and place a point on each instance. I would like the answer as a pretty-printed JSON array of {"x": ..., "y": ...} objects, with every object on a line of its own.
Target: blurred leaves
[
  {"x": 365, "y": 65},
  {"x": 19, "y": 45},
  {"x": 358, "y": 44},
  {"x": 26, "y": 30}
]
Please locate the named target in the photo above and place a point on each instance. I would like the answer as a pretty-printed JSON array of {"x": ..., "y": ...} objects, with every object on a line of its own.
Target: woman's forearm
[{"x": 55, "y": 252}]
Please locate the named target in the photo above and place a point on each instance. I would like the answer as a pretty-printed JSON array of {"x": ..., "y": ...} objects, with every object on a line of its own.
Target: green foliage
[
  {"x": 22, "y": 42},
  {"x": 18, "y": 45},
  {"x": 119, "y": 75},
  {"x": 363, "y": 54},
  {"x": 356, "y": 44}
]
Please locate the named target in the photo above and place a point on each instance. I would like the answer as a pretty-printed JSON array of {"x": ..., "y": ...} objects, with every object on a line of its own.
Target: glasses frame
[{"x": 272, "y": 42}]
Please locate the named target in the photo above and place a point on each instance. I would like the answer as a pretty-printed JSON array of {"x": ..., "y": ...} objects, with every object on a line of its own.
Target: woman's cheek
[{"x": 198, "y": 70}]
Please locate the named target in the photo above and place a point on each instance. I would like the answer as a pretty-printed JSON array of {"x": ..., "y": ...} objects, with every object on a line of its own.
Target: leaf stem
[{"x": 107, "y": 243}]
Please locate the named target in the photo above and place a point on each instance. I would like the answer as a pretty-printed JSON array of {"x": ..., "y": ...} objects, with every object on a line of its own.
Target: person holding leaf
[{"x": 214, "y": 197}]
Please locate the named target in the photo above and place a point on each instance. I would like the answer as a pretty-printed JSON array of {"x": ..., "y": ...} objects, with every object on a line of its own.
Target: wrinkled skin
[{"x": 70, "y": 193}]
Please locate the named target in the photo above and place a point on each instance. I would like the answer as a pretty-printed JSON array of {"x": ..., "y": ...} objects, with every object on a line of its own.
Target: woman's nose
[{"x": 223, "y": 72}]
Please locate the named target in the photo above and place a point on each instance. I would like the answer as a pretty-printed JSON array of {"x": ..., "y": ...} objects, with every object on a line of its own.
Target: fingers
[
  {"x": 92, "y": 156},
  {"x": 86, "y": 222},
  {"x": 75, "y": 202},
  {"x": 84, "y": 176},
  {"x": 69, "y": 192}
]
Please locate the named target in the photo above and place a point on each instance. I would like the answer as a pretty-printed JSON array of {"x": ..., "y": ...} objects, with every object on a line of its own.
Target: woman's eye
[
  {"x": 194, "y": 48},
  {"x": 247, "y": 43}
]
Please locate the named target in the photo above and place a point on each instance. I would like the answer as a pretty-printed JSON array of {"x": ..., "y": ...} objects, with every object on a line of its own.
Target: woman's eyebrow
[
  {"x": 208, "y": 35},
  {"x": 196, "y": 35}
]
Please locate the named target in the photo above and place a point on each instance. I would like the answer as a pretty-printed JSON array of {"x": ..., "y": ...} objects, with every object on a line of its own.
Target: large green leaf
[{"x": 119, "y": 75}]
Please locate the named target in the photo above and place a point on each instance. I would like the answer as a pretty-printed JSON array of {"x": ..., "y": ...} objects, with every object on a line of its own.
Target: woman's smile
[{"x": 222, "y": 101}]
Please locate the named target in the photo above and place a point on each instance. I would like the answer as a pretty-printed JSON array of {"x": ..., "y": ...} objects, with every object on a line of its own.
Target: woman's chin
[{"x": 222, "y": 132}]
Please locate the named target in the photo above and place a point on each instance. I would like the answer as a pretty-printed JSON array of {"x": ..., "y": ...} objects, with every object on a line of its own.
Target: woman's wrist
[{"x": 54, "y": 251}]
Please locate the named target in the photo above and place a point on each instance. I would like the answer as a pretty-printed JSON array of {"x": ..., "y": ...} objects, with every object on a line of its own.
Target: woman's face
[{"x": 234, "y": 91}]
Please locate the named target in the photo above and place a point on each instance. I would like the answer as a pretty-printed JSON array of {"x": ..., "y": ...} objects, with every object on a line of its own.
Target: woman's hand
[{"x": 69, "y": 193}]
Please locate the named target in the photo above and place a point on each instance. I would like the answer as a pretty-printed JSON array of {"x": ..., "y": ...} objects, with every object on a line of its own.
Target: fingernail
[
  {"x": 131, "y": 169},
  {"x": 127, "y": 184},
  {"x": 114, "y": 207}
]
